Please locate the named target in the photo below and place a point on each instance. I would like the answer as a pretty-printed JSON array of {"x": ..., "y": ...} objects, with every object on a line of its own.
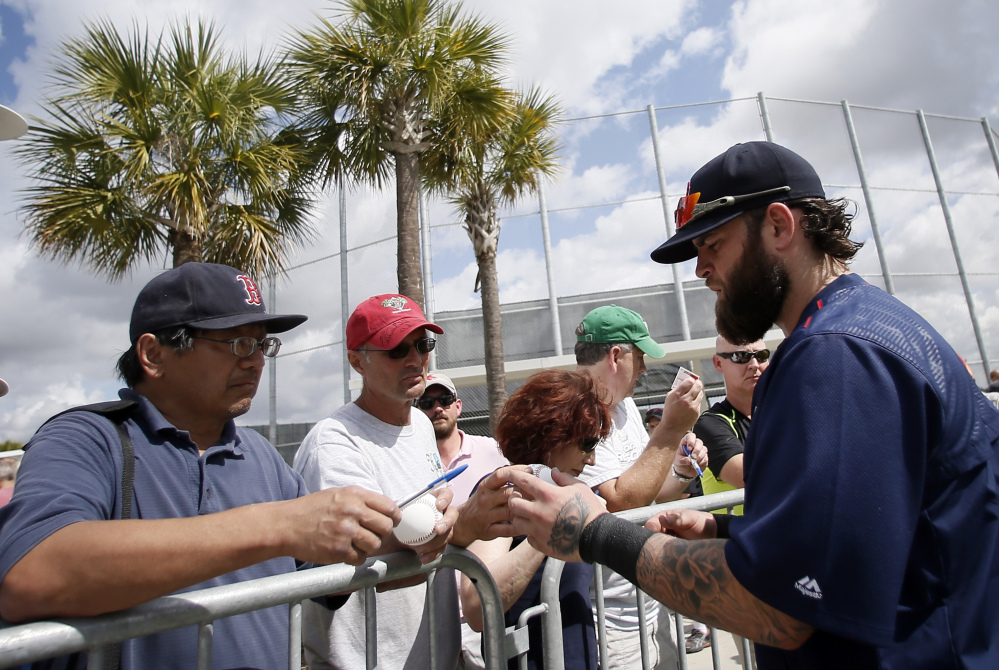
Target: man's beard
[
  {"x": 753, "y": 296},
  {"x": 446, "y": 430}
]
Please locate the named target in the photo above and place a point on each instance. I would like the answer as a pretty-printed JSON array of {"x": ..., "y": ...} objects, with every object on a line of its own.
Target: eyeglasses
[
  {"x": 426, "y": 403},
  {"x": 589, "y": 444},
  {"x": 689, "y": 208},
  {"x": 246, "y": 345},
  {"x": 423, "y": 346},
  {"x": 743, "y": 357}
]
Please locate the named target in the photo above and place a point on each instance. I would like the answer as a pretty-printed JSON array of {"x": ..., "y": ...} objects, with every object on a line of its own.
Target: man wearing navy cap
[
  {"x": 211, "y": 503},
  {"x": 870, "y": 532}
]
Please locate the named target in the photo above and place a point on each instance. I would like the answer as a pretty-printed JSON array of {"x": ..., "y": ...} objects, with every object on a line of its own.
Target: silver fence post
[
  {"x": 95, "y": 658},
  {"x": 206, "y": 634},
  {"x": 295, "y": 636},
  {"x": 272, "y": 430},
  {"x": 551, "y": 628},
  {"x": 862, "y": 172},
  {"x": 681, "y": 648},
  {"x": 643, "y": 629},
  {"x": 765, "y": 115},
  {"x": 953, "y": 241},
  {"x": 431, "y": 609},
  {"x": 550, "y": 270},
  {"x": 990, "y": 138},
  {"x": 370, "y": 628},
  {"x": 681, "y": 302},
  {"x": 428, "y": 270},
  {"x": 344, "y": 294},
  {"x": 598, "y": 593}
]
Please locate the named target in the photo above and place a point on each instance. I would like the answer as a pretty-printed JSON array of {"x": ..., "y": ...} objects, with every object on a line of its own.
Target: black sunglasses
[
  {"x": 743, "y": 357},
  {"x": 589, "y": 444},
  {"x": 426, "y": 403},
  {"x": 423, "y": 346}
]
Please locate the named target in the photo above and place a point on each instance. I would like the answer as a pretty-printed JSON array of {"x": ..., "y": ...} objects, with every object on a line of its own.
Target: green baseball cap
[{"x": 610, "y": 324}]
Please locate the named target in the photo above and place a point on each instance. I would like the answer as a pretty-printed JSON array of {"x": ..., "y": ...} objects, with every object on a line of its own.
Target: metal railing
[
  {"x": 20, "y": 644},
  {"x": 46, "y": 639}
]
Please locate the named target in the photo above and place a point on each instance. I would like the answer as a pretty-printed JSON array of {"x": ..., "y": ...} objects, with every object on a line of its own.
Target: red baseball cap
[{"x": 385, "y": 320}]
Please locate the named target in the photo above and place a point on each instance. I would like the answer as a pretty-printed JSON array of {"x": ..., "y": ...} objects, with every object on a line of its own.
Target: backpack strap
[{"x": 116, "y": 411}]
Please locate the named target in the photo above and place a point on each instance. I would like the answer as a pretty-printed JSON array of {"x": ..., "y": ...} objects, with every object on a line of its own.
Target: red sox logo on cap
[
  {"x": 252, "y": 293},
  {"x": 396, "y": 303}
]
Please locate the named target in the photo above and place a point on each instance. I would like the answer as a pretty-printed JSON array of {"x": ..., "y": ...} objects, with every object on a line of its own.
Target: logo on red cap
[
  {"x": 396, "y": 303},
  {"x": 252, "y": 293}
]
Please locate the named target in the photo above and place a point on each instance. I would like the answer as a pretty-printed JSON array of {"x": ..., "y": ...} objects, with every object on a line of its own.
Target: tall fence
[
  {"x": 926, "y": 188},
  {"x": 27, "y": 643}
]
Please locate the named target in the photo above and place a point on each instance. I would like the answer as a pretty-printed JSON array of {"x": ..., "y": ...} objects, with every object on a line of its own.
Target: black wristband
[
  {"x": 615, "y": 543},
  {"x": 722, "y": 521}
]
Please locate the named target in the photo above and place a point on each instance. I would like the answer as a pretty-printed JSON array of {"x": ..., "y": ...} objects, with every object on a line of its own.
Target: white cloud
[{"x": 63, "y": 329}]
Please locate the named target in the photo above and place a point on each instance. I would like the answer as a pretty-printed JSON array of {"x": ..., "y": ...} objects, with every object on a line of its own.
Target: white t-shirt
[
  {"x": 354, "y": 448},
  {"x": 625, "y": 443}
]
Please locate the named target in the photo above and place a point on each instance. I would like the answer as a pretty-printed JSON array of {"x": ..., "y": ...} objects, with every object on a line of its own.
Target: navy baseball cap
[
  {"x": 745, "y": 177},
  {"x": 204, "y": 295}
]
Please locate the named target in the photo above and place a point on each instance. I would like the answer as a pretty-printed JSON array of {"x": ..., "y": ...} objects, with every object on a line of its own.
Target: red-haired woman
[{"x": 555, "y": 419}]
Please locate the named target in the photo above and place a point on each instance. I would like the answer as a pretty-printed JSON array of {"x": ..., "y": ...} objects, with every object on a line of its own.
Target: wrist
[{"x": 683, "y": 479}]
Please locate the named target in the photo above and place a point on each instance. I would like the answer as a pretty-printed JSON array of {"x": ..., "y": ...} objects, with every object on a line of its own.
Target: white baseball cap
[
  {"x": 12, "y": 124},
  {"x": 439, "y": 379}
]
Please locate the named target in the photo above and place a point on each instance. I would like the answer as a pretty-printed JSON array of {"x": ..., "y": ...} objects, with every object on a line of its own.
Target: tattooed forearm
[
  {"x": 693, "y": 578},
  {"x": 569, "y": 526}
]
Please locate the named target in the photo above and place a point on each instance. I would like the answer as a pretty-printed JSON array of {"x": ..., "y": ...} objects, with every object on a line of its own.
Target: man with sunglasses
[
  {"x": 632, "y": 470},
  {"x": 871, "y": 530},
  {"x": 723, "y": 427},
  {"x": 162, "y": 492},
  {"x": 383, "y": 443},
  {"x": 441, "y": 404}
]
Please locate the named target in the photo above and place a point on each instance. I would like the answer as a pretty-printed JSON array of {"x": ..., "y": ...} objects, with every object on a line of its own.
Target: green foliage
[
  {"x": 165, "y": 142},
  {"x": 10, "y": 445},
  {"x": 376, "y": 80}
]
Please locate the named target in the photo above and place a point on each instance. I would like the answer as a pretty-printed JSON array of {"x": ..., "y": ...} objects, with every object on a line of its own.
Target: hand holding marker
[
  {"x": 686, "y": 450},
  {"x": 682, "y": 375}
]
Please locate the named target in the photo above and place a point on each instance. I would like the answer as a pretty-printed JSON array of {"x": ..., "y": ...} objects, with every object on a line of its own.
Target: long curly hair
[{"x": 552, "y": 409}]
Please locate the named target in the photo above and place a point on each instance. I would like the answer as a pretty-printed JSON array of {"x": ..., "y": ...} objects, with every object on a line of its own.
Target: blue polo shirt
[
  {"x": 872, "y": 503},
  {"x": 71, "y": 472}
]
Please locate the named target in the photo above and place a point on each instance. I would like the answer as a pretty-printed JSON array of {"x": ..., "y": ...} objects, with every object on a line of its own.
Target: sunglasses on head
[
  {"x": 743, "y": 357},
  {"x": 426, "y": 403},
  {"x": 423, "y": 346},
  {"x": 690, "y": 208},
  {"x": 589, "y": 444}
]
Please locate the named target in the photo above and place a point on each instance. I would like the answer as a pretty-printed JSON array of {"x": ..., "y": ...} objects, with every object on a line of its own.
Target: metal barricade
[
  {"x": 31, "y": 642},
  {"x": 552, "y": 620}
]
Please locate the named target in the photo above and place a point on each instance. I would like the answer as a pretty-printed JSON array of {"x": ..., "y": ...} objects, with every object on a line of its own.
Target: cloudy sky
[{"x": 61, "y": 329}]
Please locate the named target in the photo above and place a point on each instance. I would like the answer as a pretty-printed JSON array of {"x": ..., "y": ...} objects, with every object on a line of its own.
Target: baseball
[
  {"x": 544, "y": 473},
  {"x": 418, "y": 521}
]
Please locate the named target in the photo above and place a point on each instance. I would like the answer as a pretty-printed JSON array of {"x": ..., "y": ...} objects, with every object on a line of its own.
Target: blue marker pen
[
  {"x": 697, "y": 468},
  {"x": 431, "y": 486}
]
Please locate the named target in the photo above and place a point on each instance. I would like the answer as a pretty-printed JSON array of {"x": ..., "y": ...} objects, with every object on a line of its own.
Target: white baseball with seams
[{"x": 418, "y": 521}]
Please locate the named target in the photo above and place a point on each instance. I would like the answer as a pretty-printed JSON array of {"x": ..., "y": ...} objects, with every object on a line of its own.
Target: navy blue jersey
[
  {"x": 71, "y": 472},
  {"x": 872, "y": 505}
]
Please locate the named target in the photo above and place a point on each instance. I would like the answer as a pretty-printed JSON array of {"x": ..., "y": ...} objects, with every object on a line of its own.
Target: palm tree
[
  {"x": 165, "y": 143},
  {"x": 375, "y": 83},
  {"x": 486, "y": 168}
]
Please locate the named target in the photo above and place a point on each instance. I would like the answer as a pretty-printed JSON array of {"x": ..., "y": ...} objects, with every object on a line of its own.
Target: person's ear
[
  {"x": 354, "y": 358},
  {"x": 779, "y": 227},
  {"x": 151, "y": 355},
  {"x": 457, "y": 404},
  {"x": 616, "y": 355},
  {"x": 716, "y": 359}
]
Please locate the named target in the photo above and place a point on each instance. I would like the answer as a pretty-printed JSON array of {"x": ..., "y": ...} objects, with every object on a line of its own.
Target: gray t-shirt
[{"x": 352, "y": 447}]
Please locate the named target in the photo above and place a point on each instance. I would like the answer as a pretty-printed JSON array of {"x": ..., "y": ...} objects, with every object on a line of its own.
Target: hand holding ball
[{"x": 419, "y": 518}]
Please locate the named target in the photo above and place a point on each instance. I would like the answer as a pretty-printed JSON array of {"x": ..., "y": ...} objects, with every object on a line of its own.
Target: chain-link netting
[{"x": 607, "y": 211}]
